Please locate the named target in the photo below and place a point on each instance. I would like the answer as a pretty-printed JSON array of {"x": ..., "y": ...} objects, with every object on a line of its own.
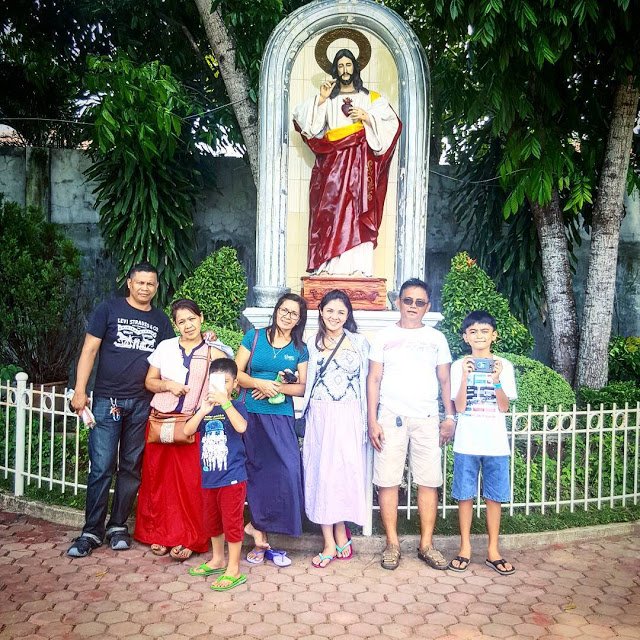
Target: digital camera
[{"x": 483, "y": 365}]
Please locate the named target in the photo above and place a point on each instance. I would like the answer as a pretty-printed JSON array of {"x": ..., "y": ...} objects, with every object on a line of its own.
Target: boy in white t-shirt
[{"x": 482, "y": 387}]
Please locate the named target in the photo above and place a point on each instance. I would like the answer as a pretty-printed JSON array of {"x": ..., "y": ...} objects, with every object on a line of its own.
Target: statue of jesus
[{"x": 353, "y": 133}]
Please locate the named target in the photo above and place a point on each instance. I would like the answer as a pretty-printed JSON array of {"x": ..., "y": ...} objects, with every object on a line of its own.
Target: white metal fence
[{"x": 562, "y": 459}]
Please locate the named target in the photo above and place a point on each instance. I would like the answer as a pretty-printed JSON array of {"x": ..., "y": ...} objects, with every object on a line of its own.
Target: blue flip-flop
[
  {"x": 322, "y": 557},
  {"x": 279, "y": 557},
  {"x": 346, "y": 545}
]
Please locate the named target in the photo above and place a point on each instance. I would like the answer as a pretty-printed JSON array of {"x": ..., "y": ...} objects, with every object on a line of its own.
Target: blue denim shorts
[{"x": 495, "y": 477}]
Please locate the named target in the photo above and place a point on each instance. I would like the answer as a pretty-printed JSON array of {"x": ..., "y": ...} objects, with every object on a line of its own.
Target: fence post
[{"x": 21, "y": 413}]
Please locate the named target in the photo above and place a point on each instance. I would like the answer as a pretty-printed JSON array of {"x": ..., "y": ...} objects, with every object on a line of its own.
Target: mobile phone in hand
[
  {"x": 289, "y": 377},
  {"x": 216, "y": 381}
]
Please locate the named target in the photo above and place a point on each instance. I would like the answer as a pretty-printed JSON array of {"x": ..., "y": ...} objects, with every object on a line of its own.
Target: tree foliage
[
  {"x": 40, "y": 309},
  {"x": 539, "y": 81},
  {"x": 144, "y": 168},
  {"x": 43, "y": 51}
]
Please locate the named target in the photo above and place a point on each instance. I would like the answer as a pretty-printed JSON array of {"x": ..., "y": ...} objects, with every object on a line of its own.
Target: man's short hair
[
  {"x": 479, "y": 317},
  {"x": 224, "y": 365},
  {"x": 415, "y": 282},
  {"x": 144, "y": 267}
]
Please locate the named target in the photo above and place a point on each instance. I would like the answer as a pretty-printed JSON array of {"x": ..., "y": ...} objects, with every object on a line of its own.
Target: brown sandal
[
  {"x": 159, "y": 550},
  {"x": 181, "y": 553},
  {"x": 433, "y": 558},
  {"x": 390, "y": 557}
]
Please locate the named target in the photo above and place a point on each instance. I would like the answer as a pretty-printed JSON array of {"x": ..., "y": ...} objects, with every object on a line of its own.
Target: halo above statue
[{"x": 327, "y": 39}]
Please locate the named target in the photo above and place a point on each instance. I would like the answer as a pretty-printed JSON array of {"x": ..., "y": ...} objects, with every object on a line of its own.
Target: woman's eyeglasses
[
  {"x": 294, "y": 315},
  {"x": 410, "y": 302}
]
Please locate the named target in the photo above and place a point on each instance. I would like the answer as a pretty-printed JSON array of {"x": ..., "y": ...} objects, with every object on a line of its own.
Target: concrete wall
[
  {"x": 226, "y": 215},
  {"x": 225, "y": 212}
]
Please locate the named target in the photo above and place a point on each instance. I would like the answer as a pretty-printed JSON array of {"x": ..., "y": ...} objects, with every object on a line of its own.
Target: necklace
[
  {"x": 333, "y": 341},
  {"x": 276, "y": 353}
]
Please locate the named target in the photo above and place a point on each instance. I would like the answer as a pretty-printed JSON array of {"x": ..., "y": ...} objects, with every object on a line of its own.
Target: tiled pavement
[{"x": 578, "y": 590}]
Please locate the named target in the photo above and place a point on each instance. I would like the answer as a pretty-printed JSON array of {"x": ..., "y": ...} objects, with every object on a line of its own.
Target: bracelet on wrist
[
  {"x": 226, "y": 405},
  {"x": 450, "y": 416},
  {"x": 497, "y": 385}
]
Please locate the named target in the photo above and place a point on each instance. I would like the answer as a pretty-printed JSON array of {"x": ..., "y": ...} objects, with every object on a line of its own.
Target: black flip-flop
[
  {"x": 460, "y": 560},
  {"x": 495, "y": 563}
]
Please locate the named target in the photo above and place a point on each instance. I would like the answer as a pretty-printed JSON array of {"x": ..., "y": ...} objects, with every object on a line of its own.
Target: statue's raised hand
[{"x": 325, "y": 90}]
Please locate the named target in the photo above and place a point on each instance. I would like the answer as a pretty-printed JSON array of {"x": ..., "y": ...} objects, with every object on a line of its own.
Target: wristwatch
[{"x": 450, "y": 416}]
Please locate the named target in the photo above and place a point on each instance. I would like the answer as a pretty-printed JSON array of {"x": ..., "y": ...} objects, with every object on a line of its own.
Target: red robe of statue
[{"x": 348, "y": 182}]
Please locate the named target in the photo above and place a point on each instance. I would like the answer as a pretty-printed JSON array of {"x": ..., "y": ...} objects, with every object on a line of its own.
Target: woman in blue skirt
[{"x": 274, "y": 467}]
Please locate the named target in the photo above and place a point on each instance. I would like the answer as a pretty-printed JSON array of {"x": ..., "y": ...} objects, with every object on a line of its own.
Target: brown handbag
[{"x": 168, "y": 428}]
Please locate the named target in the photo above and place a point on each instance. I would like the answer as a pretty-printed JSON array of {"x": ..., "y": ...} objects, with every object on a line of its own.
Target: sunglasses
[{"x": 410, "y": 302}]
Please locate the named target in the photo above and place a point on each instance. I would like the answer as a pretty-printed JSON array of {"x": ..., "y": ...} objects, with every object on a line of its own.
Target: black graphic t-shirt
[
  {"x": 222, "y": 455},
  {"x": 128, "y": 337}
]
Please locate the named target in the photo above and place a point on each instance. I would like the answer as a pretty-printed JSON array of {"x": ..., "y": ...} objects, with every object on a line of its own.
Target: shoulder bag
[{"x": 168, "y": 428}]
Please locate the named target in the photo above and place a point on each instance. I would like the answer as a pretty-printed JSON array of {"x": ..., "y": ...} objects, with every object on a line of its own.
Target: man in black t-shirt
[{"x": 123, "y": 332}]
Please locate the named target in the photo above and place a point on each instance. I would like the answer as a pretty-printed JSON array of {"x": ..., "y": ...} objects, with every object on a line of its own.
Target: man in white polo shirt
[{"x": 408, "y": 361}]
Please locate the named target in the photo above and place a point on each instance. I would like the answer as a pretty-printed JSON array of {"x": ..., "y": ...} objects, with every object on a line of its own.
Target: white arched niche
[{"x": 283, "y": 47}]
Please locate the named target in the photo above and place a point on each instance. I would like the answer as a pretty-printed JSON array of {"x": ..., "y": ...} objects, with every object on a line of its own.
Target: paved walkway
[{"x": 578, "y": 590}]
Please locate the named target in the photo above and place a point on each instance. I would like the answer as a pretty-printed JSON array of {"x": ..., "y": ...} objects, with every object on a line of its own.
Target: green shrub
[
  {"x": 468, "y": 288},
  {"x": 624, "y": 359},
  {"x": 219, "y": 286},
  {"x": 40, "y": 329},
  {"x": 538, "y": 385},
  {"x": 617, "y": 393}
]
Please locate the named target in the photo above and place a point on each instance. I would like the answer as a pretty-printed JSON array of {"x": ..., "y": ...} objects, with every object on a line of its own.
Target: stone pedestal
[{"x": 368, "y": 294}]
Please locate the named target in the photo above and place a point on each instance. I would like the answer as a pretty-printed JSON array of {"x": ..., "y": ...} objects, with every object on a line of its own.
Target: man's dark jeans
[{"x": 105, "y": 456}]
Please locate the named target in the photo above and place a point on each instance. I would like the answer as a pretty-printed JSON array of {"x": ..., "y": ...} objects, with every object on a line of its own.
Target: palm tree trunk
[
  {"x": 235, "y": 79},
  {"x": 556, "y": 273},
  {"x": 592, "y": 369}
]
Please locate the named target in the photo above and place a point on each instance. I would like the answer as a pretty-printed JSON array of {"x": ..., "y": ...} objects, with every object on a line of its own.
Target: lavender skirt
[{"x": 334, "y": 455}]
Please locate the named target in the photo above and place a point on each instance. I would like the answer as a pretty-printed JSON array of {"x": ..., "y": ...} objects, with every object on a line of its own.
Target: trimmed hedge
[
  {"x": 468, "y": 288},
  {"x": 539, "y": 385}
]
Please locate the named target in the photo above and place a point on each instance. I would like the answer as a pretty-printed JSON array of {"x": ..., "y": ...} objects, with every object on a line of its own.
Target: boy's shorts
[
  {"x": 423, "y": 434},
  {"x": 495, "y": 477},
  {"x": 223, "y": 509}
]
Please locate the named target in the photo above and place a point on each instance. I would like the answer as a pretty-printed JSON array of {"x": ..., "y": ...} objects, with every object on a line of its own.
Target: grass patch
[
  {"x": 46, "y": 496},
  {"x": 534, "y": 522}
]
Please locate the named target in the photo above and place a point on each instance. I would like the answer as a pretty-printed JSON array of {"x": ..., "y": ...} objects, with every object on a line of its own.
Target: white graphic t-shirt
[{"x": 481, "y": 429}]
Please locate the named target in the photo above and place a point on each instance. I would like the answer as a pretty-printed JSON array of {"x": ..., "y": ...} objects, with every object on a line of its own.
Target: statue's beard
[{"x": 346, "y": 78}]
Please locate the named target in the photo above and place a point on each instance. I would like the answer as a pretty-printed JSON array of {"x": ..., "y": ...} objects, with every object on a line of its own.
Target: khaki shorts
[{"x": 421, "y": 436}]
